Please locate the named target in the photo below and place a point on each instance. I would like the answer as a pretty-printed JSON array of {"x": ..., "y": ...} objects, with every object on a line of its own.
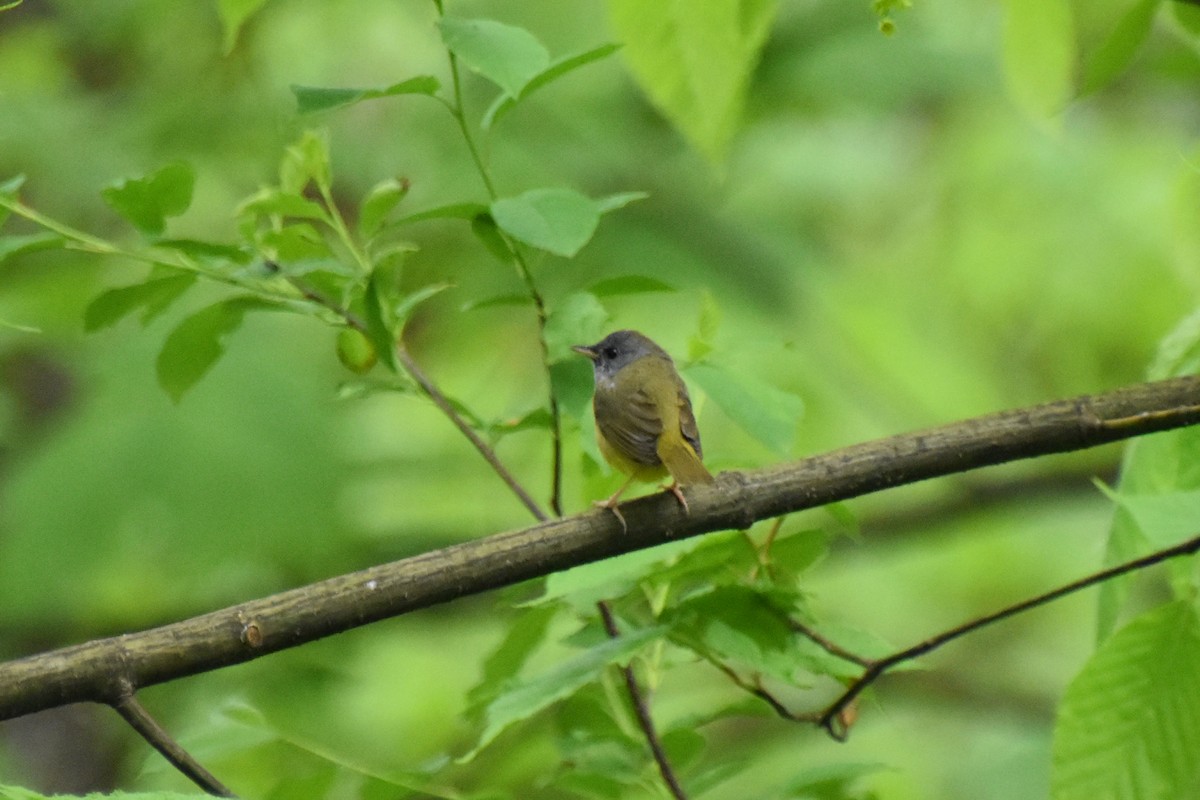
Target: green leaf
[
  {"x": 740, "y": 624},
  {"x": 1129, "y": 724},
  {"x": 498, "y": 301},
  {"x": 525, "y": 698},
  {"x": 306, "y": 160},
  {"x": 153, "y": 297},
  {"x": 768, "y": 414},
  {"x": 310, "y": 99},
  {"x": 1187, "y": 17},
  {"x": 16, "y": 326},
  {"x": 378, "y": 203},
  {"x": 11, "y": 186},
  {"x": 629, "y": 284},
  {"x": 147, "y": 202},
  {"x": 11, "y": 5},
  {"x": 694, "y": 59},
  {"x": 486, "y": 231},
  {"x": 1039, "y": 54},
  {"x": 380, "y": 325},
  {"x": 508, "y": 56},
  {"x": 576, "y": 319},
  {"x": 234, "y": 14},
  {"x": 404, "y": 308},
  {"x": 560, "y": 221},
  {"x": 524, "y": 636},
  {"x": 1115, "y": 51},
  {"x": 618, "y": 201},
  {"x": 507, "y": 102},
  {"x": 206, "y": 251},
  {"x": 197, "y": 343},
  {"x": 451, "y": 211},
  {"x": 274, "y": 202},
  {"x": 11, "y": 246}
]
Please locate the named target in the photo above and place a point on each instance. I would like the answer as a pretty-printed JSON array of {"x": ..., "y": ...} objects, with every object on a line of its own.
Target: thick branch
[{"x": 85, "y": 672}]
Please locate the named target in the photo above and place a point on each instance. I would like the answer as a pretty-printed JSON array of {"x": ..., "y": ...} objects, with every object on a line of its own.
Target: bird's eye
[{"x": 610, "y": 352}]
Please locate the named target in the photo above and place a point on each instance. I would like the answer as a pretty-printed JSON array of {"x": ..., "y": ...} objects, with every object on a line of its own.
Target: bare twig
[
  {"x": 133, "y": 712},
  {"x": 735, "y": 501},
  {"x": 405, "y": 359},
  {"x": 642, "y": 709},
  {"x": 830, "y": 717}
]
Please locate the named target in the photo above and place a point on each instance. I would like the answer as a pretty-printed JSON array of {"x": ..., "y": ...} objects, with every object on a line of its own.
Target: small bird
[{"x": 644, "y": 420}]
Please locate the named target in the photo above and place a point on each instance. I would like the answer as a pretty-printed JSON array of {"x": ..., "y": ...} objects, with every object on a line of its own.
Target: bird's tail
[{"x": 682, "y": 462}]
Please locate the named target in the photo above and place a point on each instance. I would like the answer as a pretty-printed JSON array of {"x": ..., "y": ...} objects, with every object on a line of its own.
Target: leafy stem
[{"x": 522, "y": 264}]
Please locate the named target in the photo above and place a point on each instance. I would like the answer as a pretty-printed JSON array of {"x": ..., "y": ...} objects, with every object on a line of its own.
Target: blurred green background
[{"x": 892, "y": 238}]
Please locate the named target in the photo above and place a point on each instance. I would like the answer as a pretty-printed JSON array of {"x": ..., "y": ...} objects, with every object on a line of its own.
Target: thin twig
[
  {"x": 830, "y": 717},
  {"x": 134, "y": 713},
  {"x": 405, "y": 359},
  {"x": 642, "y": 709},
  {"x": 829, "y": 646},
  {"x": 518, "y": 257}
]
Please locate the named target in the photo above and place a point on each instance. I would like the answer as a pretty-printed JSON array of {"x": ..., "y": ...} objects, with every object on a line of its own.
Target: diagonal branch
[
  {"x": 642, "y": 709},
  {"x": 133, "y": 712},
  {"x": 831, "y": 717},
  {"x": 736, "y": 500}
]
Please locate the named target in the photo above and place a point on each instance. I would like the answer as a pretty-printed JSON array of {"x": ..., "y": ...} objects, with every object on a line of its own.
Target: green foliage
[
  {"x": 148, "y": 202},
  {"x": 888, "y": 242},
  {"x": 694, "y": 60},
  {"x": 1127, "y": 724}
]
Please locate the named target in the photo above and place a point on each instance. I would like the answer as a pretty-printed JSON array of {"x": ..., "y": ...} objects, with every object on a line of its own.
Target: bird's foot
[
  {"x": 611, "y": 505},
  {"x": 675, "y": 490}
]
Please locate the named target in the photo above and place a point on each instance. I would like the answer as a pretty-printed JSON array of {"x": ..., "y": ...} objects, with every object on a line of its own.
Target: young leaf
[
  {"x": 147, "y": 202},
  {"x": 16, "y": 326},
  {"x": 310, "y": 99},
  {"x": 768, "y": 414},
  {"x": 378, "y": 203},
  {"x": 508, "y": 56},
  {"x": 451, "y": 211},
  {"x": 234, "y": 14},
  {"x": 506, "y": 102},
  {"x": 1117, "y": 48},
  {"x": 206, "y": 251},
  {"x": 1131, "y": 718},
  {"x": 618, "y": 201},
  {"x": 629, "y": 284},
  {"x": 560, "y": 221},
  {"x": 486, "y": 231},
  {"x": 273, "y": 202},
  {"x": 524, "y": 636},
  {"x": 405, "y": 306},
  {"x": 526, "y": 698},
  {"x": 576, "y": 319},
  {"x": 379, "y": 321},
  {"x": 153, "y": 297},
  {"x": 11, "y": 186},
  {"x": 11, "y": 246},
  {"x": 195, "y": 345},
  {"x": 694, "y": 61},
  {"x": 1039, "y": 54},
  {"x": 306, "y": 160}
]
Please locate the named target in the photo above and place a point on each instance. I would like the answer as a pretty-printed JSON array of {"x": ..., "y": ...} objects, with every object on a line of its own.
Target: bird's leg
[
  {"x": 675, "y": 490},
  {"x": 611, "y": 504}
]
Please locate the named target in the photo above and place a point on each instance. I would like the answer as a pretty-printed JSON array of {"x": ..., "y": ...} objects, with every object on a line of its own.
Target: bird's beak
[{"x": 584, "y": 350}]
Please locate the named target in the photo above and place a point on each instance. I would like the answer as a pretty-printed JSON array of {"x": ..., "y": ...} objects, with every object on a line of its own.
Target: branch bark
[{"x": 86, "y": 672}]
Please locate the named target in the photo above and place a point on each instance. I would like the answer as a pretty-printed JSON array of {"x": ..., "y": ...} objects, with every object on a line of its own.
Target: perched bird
[{"x": 644, "y": 421}]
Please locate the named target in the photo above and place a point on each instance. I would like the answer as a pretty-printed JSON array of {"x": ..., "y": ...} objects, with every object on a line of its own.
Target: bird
[{"x": 644, "y": 421}]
